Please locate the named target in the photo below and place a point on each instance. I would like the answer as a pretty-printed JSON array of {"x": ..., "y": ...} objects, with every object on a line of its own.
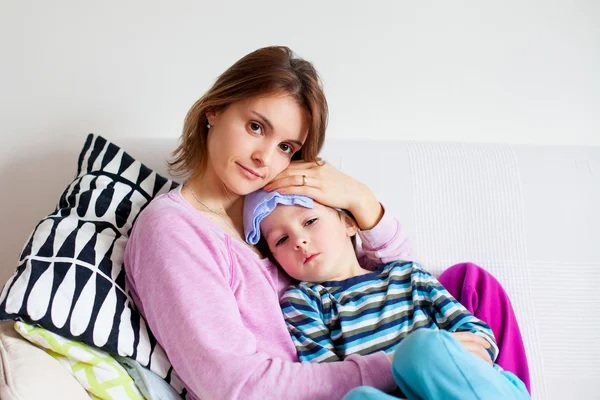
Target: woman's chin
[{"x": 243, "y": 188}]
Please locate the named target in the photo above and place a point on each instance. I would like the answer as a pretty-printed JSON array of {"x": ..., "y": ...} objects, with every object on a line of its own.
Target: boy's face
[{"x": 310, "y": 244}]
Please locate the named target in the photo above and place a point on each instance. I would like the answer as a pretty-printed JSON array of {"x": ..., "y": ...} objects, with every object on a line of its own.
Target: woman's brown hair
[{"x": 266, "y": 71}]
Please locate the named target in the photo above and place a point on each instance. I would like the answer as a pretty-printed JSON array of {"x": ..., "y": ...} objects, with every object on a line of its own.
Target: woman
[{"x": 210, "y": 299}]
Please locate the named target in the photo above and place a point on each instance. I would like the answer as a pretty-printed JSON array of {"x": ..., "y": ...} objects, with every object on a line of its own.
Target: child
[{"x": 341, "y": 308}]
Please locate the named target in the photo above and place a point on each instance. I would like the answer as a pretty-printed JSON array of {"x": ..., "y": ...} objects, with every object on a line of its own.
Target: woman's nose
[{"x": 263, "y": 155}]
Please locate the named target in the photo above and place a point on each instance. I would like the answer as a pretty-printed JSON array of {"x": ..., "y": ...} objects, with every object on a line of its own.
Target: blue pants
[{"x": 433, "y": 365}]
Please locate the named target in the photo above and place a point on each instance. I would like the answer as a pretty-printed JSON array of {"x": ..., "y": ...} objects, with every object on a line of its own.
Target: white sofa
[{"x": 528, "y": 214}]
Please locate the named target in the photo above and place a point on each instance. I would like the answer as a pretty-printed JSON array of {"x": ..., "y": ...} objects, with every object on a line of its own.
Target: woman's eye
[
  {"x": 256, "y": 128},
  {"x": 310, "y": 222},
  {"x": 286, "y": 148},
  {"x": 281, "y": 241}
]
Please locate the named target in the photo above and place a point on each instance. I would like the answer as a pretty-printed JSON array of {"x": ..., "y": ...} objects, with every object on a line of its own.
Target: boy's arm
[
  {"x": 448, "y": 313},
  {"x": 302, "y": 311}
]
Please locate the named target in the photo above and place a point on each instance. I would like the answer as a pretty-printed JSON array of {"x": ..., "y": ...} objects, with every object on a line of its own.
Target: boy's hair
[{"x": 263, "y": 246}]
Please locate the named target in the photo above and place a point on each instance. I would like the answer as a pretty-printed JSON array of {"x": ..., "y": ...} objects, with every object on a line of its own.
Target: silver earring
[{"x": 208, "y": 125}]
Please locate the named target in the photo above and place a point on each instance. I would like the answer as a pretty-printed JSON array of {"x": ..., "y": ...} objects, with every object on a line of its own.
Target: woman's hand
[
  {"x": 327, "y": 185},
  {"x": 475, "y": 344}
]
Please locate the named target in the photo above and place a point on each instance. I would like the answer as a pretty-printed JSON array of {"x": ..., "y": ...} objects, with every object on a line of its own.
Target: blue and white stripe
[{"x": 331, "y": 320}]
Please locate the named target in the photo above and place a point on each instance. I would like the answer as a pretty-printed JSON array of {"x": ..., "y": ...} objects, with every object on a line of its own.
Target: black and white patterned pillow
[{"x": 70, "y": 279}]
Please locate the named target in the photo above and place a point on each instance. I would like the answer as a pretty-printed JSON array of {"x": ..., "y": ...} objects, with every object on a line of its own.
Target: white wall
[{"x": 509, "y": 72}]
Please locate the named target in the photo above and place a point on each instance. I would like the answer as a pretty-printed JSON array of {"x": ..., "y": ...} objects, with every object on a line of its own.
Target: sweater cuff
[
  {"x": 376, "y": 371},
  {"x": 381, "y": 234}
]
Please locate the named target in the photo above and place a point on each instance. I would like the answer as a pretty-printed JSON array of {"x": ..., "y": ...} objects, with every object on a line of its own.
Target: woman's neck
[
  {"x": 215, "y": 196},
  {"x": 226, "y": 209}
]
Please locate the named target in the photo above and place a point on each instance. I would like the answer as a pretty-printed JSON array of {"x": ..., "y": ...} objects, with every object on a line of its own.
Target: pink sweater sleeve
[
  {"x": 181, "y": 280},
  {"x": 384, "y": 243}
]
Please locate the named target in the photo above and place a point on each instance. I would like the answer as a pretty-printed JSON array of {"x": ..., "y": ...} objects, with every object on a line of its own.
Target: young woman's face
[
  {"x": 310, "y": 244},
  {"x": 252, "y": 141}
]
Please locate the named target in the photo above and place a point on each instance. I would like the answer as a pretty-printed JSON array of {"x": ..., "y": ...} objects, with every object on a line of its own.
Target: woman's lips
[
  {"x": 250, "y": 173},
  {"x": 311, "y": 257}
]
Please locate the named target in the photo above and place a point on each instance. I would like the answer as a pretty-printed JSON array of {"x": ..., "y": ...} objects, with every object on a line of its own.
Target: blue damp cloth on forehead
[{"x": 258, "y": 205}]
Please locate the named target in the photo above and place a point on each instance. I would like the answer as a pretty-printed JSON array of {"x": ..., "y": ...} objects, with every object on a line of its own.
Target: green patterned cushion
[{"x": 96, "y": 370}]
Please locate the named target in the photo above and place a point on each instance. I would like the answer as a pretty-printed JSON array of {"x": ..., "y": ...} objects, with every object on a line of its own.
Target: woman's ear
[{"x": 210, "y": 117}]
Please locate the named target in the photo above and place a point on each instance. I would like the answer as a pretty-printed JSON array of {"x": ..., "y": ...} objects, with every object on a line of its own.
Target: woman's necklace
[{"x": 233, "y": 230}]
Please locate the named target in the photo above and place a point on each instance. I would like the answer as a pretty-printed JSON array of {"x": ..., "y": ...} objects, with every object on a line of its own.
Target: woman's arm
[
  {"x": 384, "y": 243},
  {"x": 181, "y": 277},
  {"x": 383, "y": 240}
]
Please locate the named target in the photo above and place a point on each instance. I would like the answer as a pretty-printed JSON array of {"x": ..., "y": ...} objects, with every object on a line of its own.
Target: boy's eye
[
  {"x": 256, "y": 128},
  {"x": 310, "y": 222},
  {"x": 281, "y": 241}
]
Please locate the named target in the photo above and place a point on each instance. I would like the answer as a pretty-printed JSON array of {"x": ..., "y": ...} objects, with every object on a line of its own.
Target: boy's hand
[
  {"x": 475, "y": 344},
  {"x": 391, "y": 355}
]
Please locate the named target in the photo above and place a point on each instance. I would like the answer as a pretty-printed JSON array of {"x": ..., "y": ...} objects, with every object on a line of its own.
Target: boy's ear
[{"x": 351, "y": 226}]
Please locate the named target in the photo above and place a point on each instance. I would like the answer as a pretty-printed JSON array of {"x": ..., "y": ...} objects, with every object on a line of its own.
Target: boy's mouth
[{"x": 309, "y": 257}]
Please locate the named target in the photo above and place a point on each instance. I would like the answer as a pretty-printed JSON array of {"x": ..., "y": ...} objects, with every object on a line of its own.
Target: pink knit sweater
[{"x": 213, "y": 305}]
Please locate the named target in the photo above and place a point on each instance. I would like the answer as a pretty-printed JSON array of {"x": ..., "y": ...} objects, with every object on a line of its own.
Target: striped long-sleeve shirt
[{"x": 331, "y": 320}]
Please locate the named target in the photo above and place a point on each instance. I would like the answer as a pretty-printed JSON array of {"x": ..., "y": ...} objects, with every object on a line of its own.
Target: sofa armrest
[{"x": 29, "y": 373}]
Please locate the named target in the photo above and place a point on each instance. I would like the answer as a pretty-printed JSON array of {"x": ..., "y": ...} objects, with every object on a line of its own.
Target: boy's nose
[{"x": 302, "y": 242}]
